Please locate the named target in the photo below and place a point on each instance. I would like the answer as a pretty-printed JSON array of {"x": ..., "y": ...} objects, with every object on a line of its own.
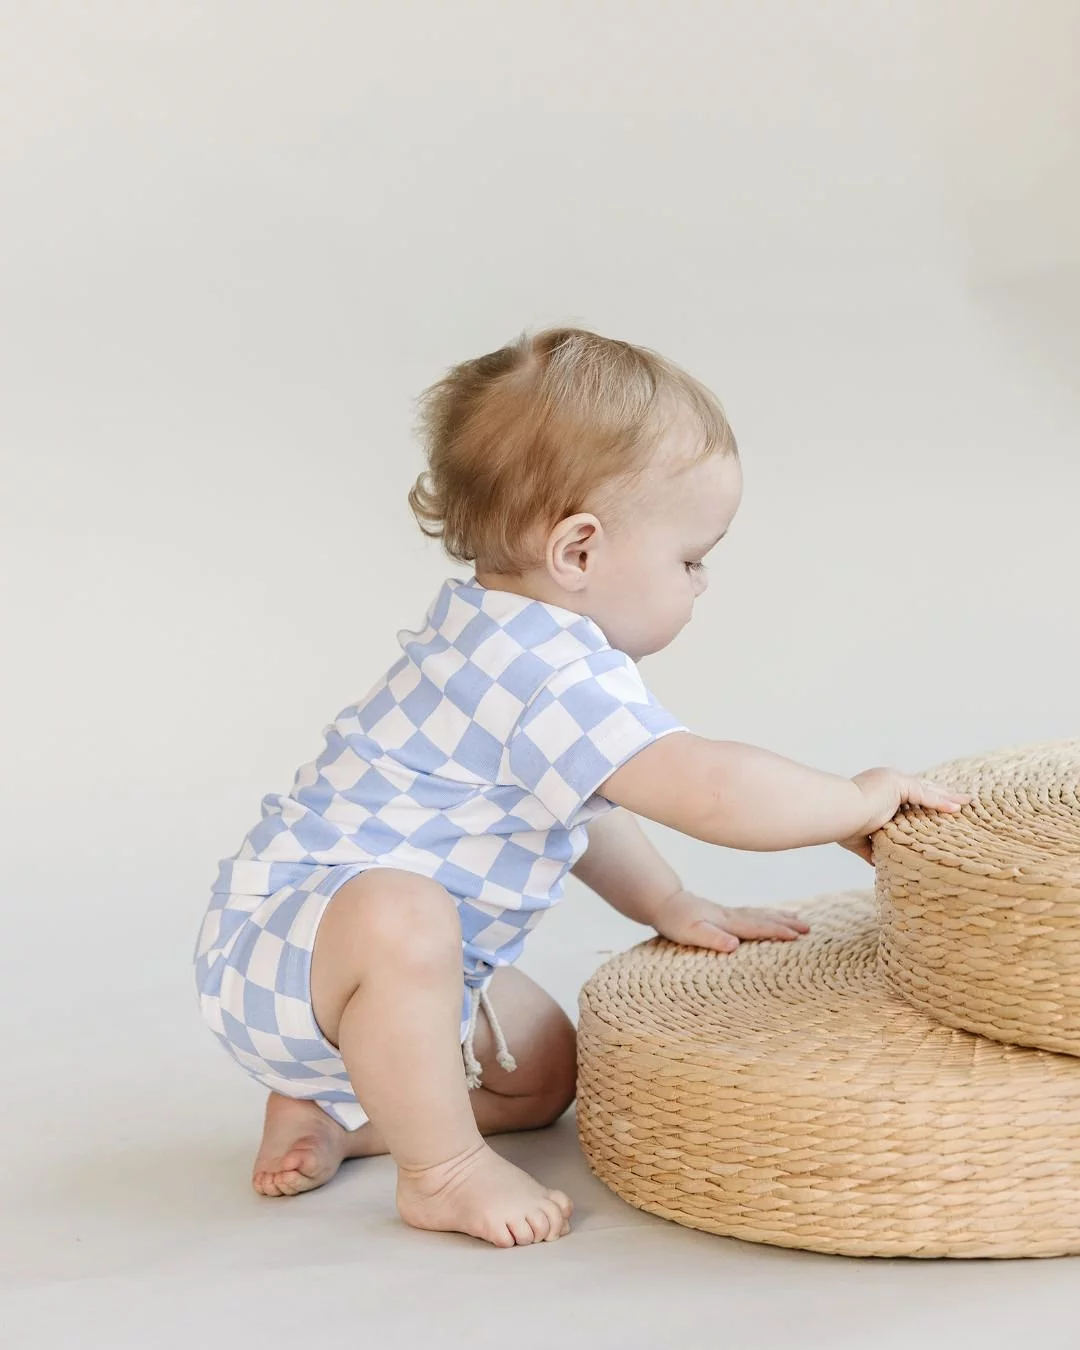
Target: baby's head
[{"x": 583, "y": 472}]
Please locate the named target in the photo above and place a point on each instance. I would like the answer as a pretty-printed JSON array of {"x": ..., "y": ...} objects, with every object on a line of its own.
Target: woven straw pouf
[
  {"x": 981, "y": 910},
  {"x": 783, "y": 1094}
]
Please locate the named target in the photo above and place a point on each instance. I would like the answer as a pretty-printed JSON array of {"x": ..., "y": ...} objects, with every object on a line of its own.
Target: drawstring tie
[{"x": 478, "y": 998}]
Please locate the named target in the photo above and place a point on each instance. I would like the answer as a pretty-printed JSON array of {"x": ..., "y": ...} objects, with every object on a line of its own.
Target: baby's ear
[{"x": 571, "y": 549}]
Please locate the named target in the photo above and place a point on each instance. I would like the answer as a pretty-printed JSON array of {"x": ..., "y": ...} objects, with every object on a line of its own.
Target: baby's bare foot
[
  {"x": 301, "y": 1148},
  {"x": 483, "y": 1195}
]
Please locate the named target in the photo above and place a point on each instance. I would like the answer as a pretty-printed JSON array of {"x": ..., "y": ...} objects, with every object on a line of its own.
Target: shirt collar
[{"x": 503, "y": 605}]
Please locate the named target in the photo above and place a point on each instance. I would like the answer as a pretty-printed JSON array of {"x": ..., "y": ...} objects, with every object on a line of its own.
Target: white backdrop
[{"x": 237, "y": 240}]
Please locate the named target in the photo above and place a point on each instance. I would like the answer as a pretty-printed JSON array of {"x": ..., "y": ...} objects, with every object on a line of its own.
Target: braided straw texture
[
  {"x": 981, "y": 910},
  {"x": 782, "y": 1094}
]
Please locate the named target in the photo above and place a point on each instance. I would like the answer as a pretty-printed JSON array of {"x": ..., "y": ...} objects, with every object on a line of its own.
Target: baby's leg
[
  {"x": 386, "y": 988},
  {"x": 544, "y": 1044},
  {"x": 302, "y": 1147}
]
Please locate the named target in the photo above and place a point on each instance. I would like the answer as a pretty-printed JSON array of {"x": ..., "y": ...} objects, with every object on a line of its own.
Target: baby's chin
[{"x": 653, "y": 644}]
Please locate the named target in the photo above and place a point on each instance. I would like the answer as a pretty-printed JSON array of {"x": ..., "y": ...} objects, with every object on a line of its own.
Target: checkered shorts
[{"x": 253, "y": 972}]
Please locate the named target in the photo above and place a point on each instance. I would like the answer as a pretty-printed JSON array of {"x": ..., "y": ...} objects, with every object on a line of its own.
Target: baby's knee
[
  {"x": 547, "y": 1063},
  {"x": 409, "y": 920},
  {"x": 558, "y": 1085}
]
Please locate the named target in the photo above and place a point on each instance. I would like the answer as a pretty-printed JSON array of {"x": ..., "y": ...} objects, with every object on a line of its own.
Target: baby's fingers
[
  {"x": 786, "y": 918},
  {"x": 764, "y": 924},
  {"x": 925, "y": 792}
]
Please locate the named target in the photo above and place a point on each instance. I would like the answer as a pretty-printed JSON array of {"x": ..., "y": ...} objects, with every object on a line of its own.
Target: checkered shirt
[{"x": 475, "y": 760}]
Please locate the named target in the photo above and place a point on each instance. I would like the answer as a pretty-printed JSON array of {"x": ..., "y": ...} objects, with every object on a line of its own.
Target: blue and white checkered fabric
[
  {"x": 475, "y": 760},
  {"x": 255, "y": 992}
]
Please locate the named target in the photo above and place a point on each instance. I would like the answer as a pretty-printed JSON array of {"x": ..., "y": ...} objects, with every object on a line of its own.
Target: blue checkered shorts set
[{"x": 475, "y": 761}]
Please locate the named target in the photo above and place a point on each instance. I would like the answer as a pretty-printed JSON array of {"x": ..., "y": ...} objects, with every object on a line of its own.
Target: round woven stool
[
  {"x": 981, "y": 910},
  {"x": 783, "y": 1094}
]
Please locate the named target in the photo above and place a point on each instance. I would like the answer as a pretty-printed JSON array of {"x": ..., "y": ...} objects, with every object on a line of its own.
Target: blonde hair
[{"x": 527, "y": 435}]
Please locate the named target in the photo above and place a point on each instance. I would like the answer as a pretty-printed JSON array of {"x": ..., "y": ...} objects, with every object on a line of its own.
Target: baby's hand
[
  {"x": 885, "y": 791},
  {"x": 695, "y": 922}
]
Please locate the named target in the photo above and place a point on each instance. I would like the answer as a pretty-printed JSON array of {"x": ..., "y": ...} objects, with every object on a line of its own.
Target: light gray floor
[{"x": 129, "y": 1223}]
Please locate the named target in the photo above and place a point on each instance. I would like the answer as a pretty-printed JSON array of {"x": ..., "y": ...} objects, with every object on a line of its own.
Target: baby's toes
[
  {"x": 522, "y": 1231},
  {"x": 280, "y": 1183},
  {"x": 563, "y": 1202},
  {"x": 294, "y": 1162},
  {"x": 291, "y": 1182},
  {"x": 540, "y": 1223},
  {"x": 499, "y": 1235},
  {"x": 287, "y": 1175},
  {"x": 558, "y": 1226}
]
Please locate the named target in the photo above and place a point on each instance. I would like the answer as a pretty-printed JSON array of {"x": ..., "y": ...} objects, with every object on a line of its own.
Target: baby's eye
[{"x": 695, "y": 567}]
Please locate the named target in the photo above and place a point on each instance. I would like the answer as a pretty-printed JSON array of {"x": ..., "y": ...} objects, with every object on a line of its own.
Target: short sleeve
[{"x": 586, "y": 720}]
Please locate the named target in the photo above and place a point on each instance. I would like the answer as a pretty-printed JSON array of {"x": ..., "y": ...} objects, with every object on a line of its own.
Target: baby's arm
[
  {"x": 622, "y": 866},
  {"x": 743, "y": 797}
]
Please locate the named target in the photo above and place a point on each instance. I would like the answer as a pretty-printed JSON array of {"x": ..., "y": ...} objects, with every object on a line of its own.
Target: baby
[{"x": 378, "y": 907}]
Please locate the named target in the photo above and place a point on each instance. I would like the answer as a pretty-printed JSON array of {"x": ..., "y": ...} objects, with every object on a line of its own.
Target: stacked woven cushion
[
  {"x": 981, "y": 911},
  {"x": 900, "y": 1082}
]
